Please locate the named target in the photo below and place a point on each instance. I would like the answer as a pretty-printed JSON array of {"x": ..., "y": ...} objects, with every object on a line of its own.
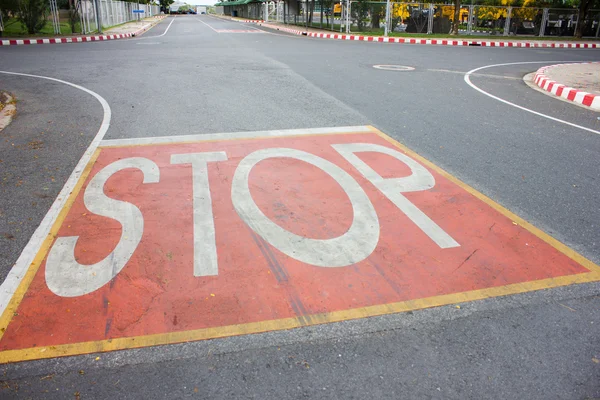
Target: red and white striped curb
[
  {"x": 442, "y": 42},
  {"x": 75, "y": 39},
  {"x": 565, "y": 92},
  {"x": 447, "y": 42}
]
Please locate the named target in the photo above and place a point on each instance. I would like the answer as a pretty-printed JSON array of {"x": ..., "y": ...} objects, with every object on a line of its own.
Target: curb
[
  {"x": 8, "y": 111},
  {"x": 442, "y": 42},
  {"x": 575, "y": 95},
  {"x": 79, "y": 39}
]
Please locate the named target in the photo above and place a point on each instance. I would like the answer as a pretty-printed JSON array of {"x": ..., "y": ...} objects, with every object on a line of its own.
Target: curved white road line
[
  {"x": 18, "y": 271},
  {"x": 157, "y": 36},
  {"x": 468, "y": 80}
]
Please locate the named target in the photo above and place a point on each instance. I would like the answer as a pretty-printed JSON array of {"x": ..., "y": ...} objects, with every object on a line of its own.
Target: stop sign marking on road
[{"x": 174, "y": 239}]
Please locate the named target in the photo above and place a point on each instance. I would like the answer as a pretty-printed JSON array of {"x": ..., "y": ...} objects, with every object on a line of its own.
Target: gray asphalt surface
[
  {"x": 195, "y": 80},
  {"x": 39, "y": 150}
]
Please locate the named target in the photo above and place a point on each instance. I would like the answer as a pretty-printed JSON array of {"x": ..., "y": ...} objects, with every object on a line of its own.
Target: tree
[
  {"x": 8, "y": 8},
  {"x": 33, "y": 14},
  {"x": 186, "y": 7},
  {"x": 360, "y": 11},
  {"x": 326, "y": 5},
  {"x": 377, "y": 12},
  {"x": 584, "y": 6},
  {"x": 73, "y": 14},
  {"x": 165, "y": 4},
  {"x": 456, "y": 21}
]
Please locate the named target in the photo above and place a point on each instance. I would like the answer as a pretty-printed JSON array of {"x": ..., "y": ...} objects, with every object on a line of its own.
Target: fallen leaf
[
  {"x": 595, "y": 360},
  {"x": 97, "y": 358},
  {"x": 458, "y": 307}
]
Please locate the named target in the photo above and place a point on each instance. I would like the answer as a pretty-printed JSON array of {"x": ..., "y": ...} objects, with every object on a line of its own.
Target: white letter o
[{"x": 352, "y": 247}]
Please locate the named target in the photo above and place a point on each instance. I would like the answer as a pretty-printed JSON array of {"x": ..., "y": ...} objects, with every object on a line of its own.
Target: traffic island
[
  {"x": 577, "y": 82},
  {"x": 8, "y": 109}
]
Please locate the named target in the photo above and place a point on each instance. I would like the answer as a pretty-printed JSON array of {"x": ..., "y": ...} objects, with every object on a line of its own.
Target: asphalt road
[{"x": 196, "y": 80}]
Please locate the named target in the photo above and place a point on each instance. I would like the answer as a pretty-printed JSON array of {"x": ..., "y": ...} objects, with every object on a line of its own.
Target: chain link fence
[
  {"x": 377, "y": 17},
  {"x": 83, "y": 18}
]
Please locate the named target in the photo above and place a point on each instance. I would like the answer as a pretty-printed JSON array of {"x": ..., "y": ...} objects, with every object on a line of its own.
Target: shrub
[{"x": 33, "y": 14}]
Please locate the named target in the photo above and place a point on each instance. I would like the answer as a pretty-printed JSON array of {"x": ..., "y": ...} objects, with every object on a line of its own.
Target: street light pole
[{"x": 387, "y": 17}]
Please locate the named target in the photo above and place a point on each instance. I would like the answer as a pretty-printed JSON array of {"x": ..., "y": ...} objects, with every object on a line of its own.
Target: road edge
[
  {"x": 81, "y": 39},
  {"x": 408, "y": 40}
]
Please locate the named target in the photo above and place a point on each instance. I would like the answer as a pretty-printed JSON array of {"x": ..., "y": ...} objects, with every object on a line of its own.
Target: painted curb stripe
[
  {"x": 77, "y": 39},
  {"x": 563, "y": 91},
  {"x": 443, "y": 42}
]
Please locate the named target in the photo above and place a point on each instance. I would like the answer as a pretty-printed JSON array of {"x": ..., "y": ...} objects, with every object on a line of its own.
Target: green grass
[
  {"x": 317, "y": 25},
  {"x": 13, "y": 28}
]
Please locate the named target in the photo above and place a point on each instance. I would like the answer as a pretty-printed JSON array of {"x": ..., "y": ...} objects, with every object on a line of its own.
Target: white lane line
[
  {"x": 18, "y": 271},
  {"x": 161, "y": 35},
  {"x": 199, "y": 20},
  {"x": 233, "y": 135},
  {"x": 468, "y": 80}
]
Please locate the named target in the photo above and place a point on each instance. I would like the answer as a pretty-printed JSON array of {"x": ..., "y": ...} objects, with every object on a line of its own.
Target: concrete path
[{"x": 134, "y": 26}]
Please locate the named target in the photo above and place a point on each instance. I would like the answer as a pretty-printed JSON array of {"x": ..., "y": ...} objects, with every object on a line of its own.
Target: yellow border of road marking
[
  {"x": 289, "y": 323},
  {"x": 17, "y": 297},
  {"x": 515, "y": 218}
]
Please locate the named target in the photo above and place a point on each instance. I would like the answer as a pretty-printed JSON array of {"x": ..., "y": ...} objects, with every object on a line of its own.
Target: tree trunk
[
  {"x": 321, "y": 22},
  {"x": 375, "y": 19},
  {"x": 584, "y": 5},
  {"x": 456, "y": 17}
]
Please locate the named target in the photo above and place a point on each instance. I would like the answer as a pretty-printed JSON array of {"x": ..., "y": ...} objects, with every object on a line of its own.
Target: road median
[{"x": 560, "y": 79}]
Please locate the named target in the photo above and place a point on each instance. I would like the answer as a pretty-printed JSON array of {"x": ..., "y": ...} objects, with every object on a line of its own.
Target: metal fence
[
  {"x": 321, "y": 14},
  {"x": 430, "y": 18},
  {"x": 111, "y": 13}
]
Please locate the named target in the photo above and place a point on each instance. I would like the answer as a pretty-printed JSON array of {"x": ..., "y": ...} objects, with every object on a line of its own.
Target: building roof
[{"x": 238, "y": 2}]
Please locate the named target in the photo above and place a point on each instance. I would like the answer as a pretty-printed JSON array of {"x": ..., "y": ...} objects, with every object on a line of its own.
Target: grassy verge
[
  {"x": 496, "y": 38},
  {"x": 13, "y": 28}
]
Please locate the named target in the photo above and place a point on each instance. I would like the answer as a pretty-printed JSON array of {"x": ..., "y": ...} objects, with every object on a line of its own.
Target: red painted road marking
[
  {"x": 238, "y": 31},
  {"x": 170, "y": 238}
]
